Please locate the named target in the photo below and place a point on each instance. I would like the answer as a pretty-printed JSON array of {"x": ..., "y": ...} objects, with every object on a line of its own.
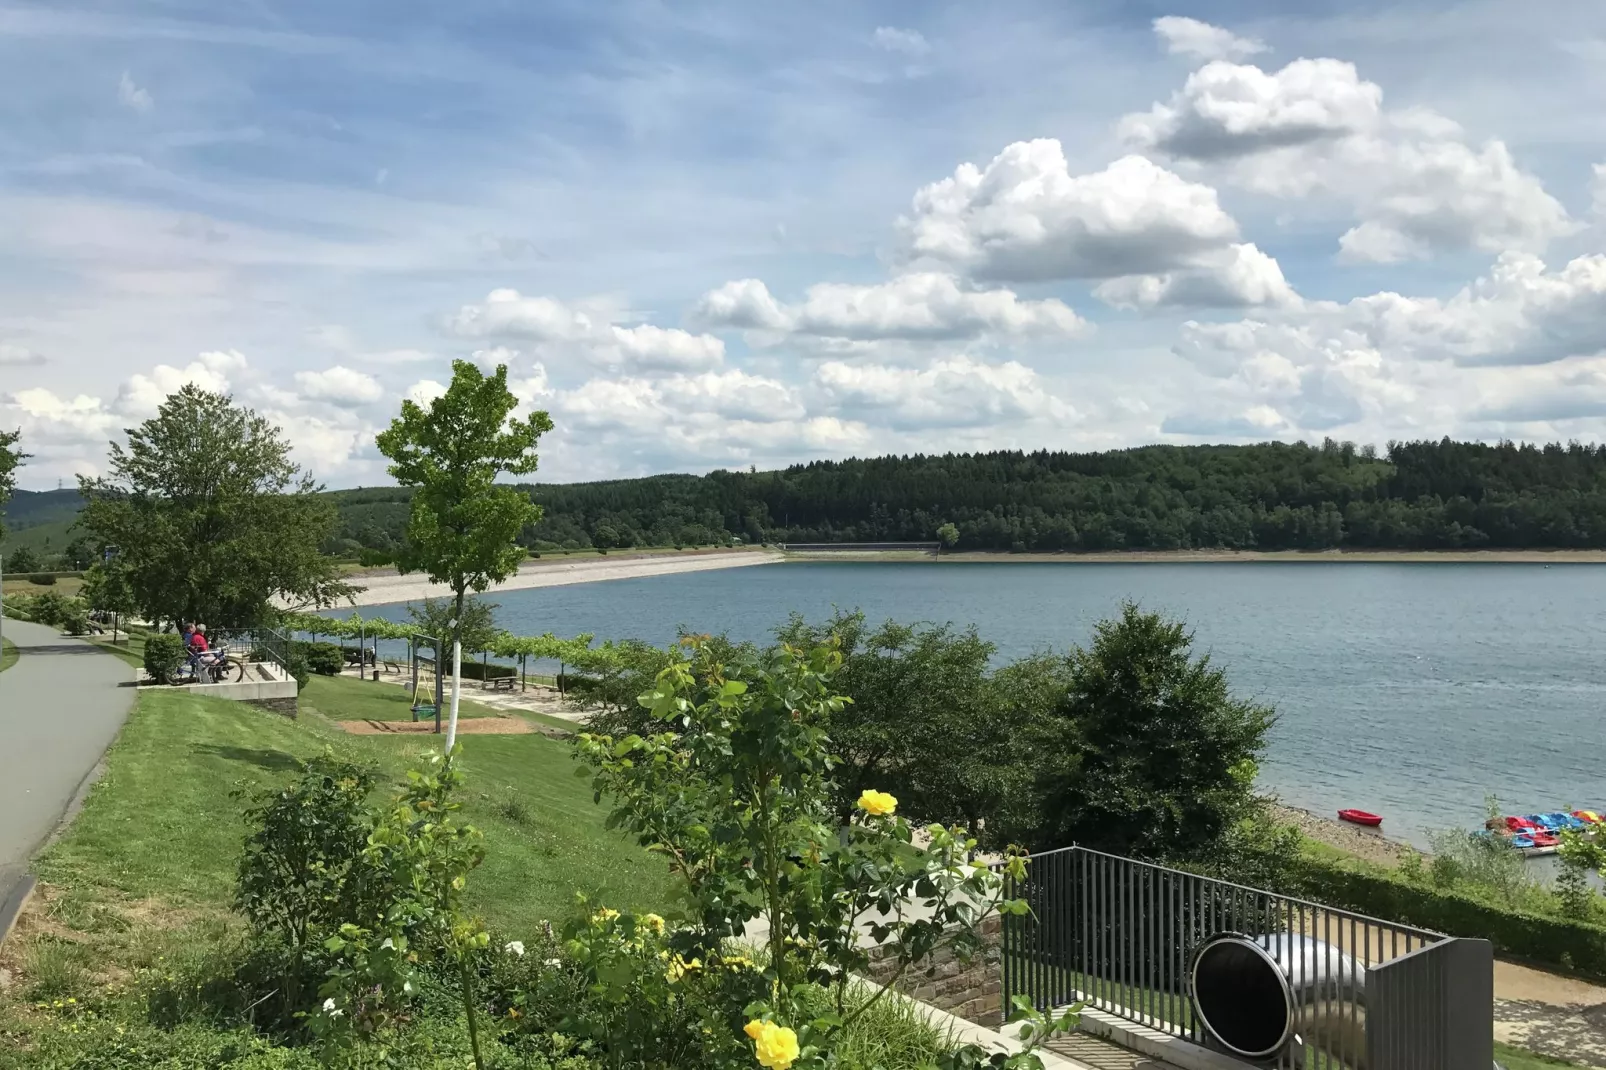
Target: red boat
[{"x": 1360, "y": 817}]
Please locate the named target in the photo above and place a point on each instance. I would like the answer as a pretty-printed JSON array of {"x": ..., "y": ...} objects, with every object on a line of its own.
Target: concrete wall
[{"x": 973, "y": 991}]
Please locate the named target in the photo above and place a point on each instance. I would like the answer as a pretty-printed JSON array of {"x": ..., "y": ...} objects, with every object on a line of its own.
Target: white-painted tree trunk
[{"x": 457, "y": 688}]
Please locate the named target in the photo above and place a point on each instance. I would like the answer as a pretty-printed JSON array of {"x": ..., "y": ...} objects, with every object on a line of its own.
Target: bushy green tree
[
  {"x": 1166, "y": 755},
  {"x": 462, "y": 526},
  {"x": 210, "y": 519},
  {"x": 476, "y": 621},
  {"x": 106, "y": 590},
  {"x": 21, "y": 560}
]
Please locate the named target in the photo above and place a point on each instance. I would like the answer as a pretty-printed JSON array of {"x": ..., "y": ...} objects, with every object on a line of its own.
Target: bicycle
[{"x": 216, "y": 666}]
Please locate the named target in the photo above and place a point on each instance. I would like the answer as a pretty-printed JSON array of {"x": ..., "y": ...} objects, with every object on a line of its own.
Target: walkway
[{"x": 61, "y": 705}]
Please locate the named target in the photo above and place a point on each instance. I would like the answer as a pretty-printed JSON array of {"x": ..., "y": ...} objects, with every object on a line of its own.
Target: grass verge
[
  {"x": 8, "y": 654},
  {"x": 1520, "y": 1059}
]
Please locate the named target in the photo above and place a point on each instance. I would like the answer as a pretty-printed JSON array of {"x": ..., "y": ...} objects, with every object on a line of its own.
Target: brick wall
[
  {"x": 285, "y": 706},
  {"x": 973, "y": 991}
]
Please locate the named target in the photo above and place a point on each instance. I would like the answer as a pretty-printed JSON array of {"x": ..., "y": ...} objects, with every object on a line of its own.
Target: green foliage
[
  {"x": 210, "y": 519},
  {"x": 10, "y": 460},
  {"x": 928, "y": 721},
  {"x": 298, "y": 666},
  {"x": 49, "y": 607},
  {"x": 738, "y": 796},
  {"x": 303, "y": 870},
  {"x": 1486, "y": 863},
  {"x": 106, "y": 588},
  {"x": 1574, "y": 946},
  {"x": 948, "y": 534},
  {"x": 325, "y": 659},
  {"x": 43, "y": 579},
  {"x": 476, "y": 626},
  {"x": 21, "y": 560},
  {"x": 462, "y": 525},
  {"x": 164, "y": 655},
  {"x": 1166, "y": 753}
]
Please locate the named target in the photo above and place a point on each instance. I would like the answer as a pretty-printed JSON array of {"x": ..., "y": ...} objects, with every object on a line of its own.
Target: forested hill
[{"x": 1418, "y": 495}]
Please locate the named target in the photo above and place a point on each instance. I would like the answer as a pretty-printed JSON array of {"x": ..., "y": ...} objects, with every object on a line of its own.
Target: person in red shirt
[{"x": 198, "y": 639}]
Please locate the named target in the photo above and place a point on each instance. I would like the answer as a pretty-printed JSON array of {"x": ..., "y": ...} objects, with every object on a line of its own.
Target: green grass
[
  {"x": 8, "y": 654},
  {"x": 161, "y": 823},
  {"x": 345, "y": 698},
  {"x": 1519, "y": 1059}
]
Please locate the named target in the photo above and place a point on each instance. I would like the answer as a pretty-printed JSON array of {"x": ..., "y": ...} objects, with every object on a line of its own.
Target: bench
[
  {"x": 391, "y": 666},
  {"x": 501, "y": 683}
]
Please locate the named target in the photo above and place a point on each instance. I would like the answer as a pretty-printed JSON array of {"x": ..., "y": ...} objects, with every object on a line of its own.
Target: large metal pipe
[{"x": 1261, "y": 997}]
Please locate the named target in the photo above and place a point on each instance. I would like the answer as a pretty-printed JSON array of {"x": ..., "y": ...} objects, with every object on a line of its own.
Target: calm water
[{"x": 1409, "y": 690}]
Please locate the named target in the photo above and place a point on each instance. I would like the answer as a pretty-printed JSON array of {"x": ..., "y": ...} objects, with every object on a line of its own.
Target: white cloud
[
  {"x": 547, "y": 321},
  {"x": 952, "y": 392},
  {"x": 1317, "y": 127},
  {"x": 133, "y": 96},
  {"x": 14, "y": 356},
  {"x": 1241, "y": 276},
  {"x": 1025, "y": 217},
  {"x": 141, "y": 395},
  {"x": 915, "y": 306},
  {"x": 1190, "y": 37},
  {"x": 424, "y": 392},
  {"x": 907, "y": 42},
  {"x": 340, "y": 385}
]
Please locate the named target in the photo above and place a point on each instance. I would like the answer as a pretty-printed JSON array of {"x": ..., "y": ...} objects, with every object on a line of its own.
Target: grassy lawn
[
  {"x": 162, "y": 824},
  {"x": 8, "y": 654},
  {"x": 1518, "y": 1059},
  {"x": 345, "y": 698},
  {"x": 64, "y": 585}
]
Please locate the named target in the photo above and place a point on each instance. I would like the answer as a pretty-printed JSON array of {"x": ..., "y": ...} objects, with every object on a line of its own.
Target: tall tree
[
  {"x": 10, "y": 460},
  {"x": 1166, "y": 755},
  {"x": 461, "y": 524},
  {"x": 209, "y": 518}
]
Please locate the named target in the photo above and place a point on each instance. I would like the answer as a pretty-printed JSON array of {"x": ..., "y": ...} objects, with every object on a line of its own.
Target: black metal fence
[
  {"x": 271, "y": 644},
  {"x": 1125, "y": 937}
]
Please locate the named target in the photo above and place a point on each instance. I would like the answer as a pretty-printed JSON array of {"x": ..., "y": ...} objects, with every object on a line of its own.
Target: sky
[{"x": 717, "y": 234}]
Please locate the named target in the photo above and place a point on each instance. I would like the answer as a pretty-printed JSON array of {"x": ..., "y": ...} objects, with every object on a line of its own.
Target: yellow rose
[
  {"x": 775, "y": 1046},
  {"x": 653, "y": 922},
  {"x": 605, "y": 914},
  {"x": 878, "y": 803},
  {"x": 679, "y": 967},
  {"x": 754, "y": 1028}
]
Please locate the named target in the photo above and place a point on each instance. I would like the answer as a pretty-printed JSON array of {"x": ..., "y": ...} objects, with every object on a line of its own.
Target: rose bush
[{"x": 736, "y": 793}]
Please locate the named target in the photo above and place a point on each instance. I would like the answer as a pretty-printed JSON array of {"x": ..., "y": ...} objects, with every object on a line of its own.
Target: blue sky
[{"x": 717, "y": 234}]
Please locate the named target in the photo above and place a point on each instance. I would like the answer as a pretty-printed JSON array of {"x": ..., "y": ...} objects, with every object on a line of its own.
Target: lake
[{"x": 1412, "y": 690}]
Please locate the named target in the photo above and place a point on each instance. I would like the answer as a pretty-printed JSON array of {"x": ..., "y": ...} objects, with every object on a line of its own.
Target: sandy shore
[
  {"x": 1364, "y": 843},
  {"x": 387, "y": 587},
  {"x": 1172, "y": 557}
]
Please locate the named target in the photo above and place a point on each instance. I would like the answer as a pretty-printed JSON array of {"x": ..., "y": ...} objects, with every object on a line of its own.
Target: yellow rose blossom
[
  {"x": 754, "y": 1028},
  {"x": 679, "y": 967},
  {"x": 878, "y": 803},
  {"x": 775, "y": 1045},
  {"x": 605, "y": 914},
  {"x": 653, "y": 922}
]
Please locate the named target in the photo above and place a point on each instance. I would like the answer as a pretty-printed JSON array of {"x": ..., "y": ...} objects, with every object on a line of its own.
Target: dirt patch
[
  {"x": 473, "y": 726},
  {"x": 1367, "y": 844}
]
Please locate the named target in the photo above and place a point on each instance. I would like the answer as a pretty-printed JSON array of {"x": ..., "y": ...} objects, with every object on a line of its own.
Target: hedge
[
  {"x": 474, "y": 670},
  {"x": 1575, "y": 946}
]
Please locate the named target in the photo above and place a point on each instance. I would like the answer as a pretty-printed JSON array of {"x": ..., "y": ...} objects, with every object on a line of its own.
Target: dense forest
[{"x": 1412, "y": 495}]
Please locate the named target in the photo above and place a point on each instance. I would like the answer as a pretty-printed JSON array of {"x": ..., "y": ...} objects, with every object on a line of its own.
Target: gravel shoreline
[
  {"x": 1370, "y": 845},
  {"x": 383, "y": 588}
]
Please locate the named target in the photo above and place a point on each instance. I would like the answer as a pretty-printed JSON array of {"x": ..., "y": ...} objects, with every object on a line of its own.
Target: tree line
[{"x": 1271, "y": 496}]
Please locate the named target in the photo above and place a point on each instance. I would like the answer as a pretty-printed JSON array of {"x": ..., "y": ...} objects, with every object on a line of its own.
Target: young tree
[
  {"x": 22, "y": 559},
  {"x": 462, "y": 526},
  {"x": 210, "y": 519},
  {"x": 106, "y": 589},
  {"x": 948, "y": 534},
  {"x": 1167, "y": 756}
]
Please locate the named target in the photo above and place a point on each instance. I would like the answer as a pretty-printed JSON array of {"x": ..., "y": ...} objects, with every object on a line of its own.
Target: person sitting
[
  {"x": 197, "y": 641},
  {"x": 186, "y": 631}
]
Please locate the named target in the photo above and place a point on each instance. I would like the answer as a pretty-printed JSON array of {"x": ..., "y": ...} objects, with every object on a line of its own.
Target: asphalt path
[{"x": 61, "y": 705}]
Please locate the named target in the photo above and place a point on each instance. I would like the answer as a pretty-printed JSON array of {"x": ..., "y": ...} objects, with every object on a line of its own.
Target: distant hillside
[
  {"x": 1271, "y": 496},
  {"x": 40, "y": 519}
]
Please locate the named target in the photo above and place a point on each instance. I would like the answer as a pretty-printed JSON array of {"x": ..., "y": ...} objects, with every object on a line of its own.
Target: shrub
[
  {"x": 325, "y": 659},
  {"x": 474, "y": 670},
  {"x": 296, "y": 665},
  {"x": 43, "y": 579},
  {"x": 1571, "y": 945},
  {"x": 50, "y": 608},
  {"x": 76, "y": 621},
  {"x": 164, "y": 654}
]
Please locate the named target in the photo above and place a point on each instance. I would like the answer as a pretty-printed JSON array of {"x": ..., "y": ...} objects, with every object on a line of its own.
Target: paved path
[{"x": 61, "y": 705}]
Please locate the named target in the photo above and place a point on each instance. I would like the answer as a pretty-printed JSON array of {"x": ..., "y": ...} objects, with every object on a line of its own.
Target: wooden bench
[{"x": 501, "y": 683}]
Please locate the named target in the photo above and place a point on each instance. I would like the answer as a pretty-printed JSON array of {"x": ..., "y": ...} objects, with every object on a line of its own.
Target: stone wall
[
  {"x": 973, "y": 991},
  {"x": 285, "y": 706}
]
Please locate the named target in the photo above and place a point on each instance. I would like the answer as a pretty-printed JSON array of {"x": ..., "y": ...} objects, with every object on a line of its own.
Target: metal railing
[
  {"x": 271, "y": 644},
  {"x": 1124, "y": 937}
]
